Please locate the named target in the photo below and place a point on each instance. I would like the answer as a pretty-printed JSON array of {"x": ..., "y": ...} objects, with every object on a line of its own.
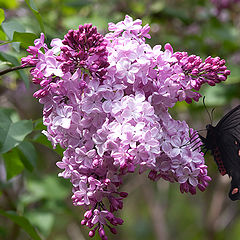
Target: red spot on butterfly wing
[
  {"x": 218, "y": 159},
  {"x": 236, "y": 143},
  {"x": 234, "y": 191}
]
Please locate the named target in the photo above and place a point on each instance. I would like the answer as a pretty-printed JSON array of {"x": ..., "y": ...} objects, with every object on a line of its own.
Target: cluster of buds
[
  {"x": 84, "y": 48},
  {"x": 212, "y": 71}
]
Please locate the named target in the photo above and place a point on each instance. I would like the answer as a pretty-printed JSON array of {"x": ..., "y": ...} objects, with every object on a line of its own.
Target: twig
[
  {"x": 157, "y": 214},
  {"x": 14, "y": 69},
  {"x": 15, "y": 228},
  {"x": 216, "y": 207},
  {"x": 15, "y": 232},
  {"x": 9, "y": 200}
]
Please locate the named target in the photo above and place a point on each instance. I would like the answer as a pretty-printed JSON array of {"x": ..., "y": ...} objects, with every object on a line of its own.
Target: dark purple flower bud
[
  {"x": 211, "y": 83},
  {"x": 101, "y": 232},
  {"x": 131, "y": 168},
  {"x": 192, "y": 190},
  {"x": 207, "y": 66},
  {"x": 184, "y": 187},
  {"x": 32, "y": 50},
  {"x": 120, "y": 205},
  {"x": 222, "y": 62},
  {"x": 227, "y": 72},
  {"x": 208, "y": 59},
  {"x": 207, "y": 178},
  {"x": 168, "y": 46},
  {"x": 83, "y": 222},
  {"x": 87, "y": 26},
  {"x": 40, "y": 93},
  {"x": 28, "y": 61},
  {"x": 191, "y": 58},
  {"x": 89, "y": 224},
  {"x": 91, "y": 233},
  {"x": 152, "y": 175},
  {"x": 188, "y": 100},
  {"x": 222, "y": 78},
  {"x": 123, "y": 194},
  {"x": 223, "y": 68},
  {"x": 44, "y": 82},
  {"x": 107, "y": 181},
  {"x": 113, "y": 230},
  {"x": 114, "y": 203},
  {"x": 204, "y": 183},
  {"x": 47, "y": 112},
  {"x": 36, "y": 80},
  {"x": 201, "y": 187},
  {"x": 119, "y": 221},
  {"x": 88, "y": 214}
]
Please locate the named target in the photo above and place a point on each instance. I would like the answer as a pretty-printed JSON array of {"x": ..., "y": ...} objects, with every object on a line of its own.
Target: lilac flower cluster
[{"x": 106, "y": 103}]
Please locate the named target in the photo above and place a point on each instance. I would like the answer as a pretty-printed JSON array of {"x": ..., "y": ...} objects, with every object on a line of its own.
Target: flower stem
[{"x": 14, "y": 69}]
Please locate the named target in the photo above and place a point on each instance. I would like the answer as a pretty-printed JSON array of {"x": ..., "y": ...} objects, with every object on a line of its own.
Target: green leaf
[
  {"x": 38, "y": 124},
  {"x": 12, "y": 133},
  {"x": 28, "y": 155},
  {"x": 215, "y": 96},
  {"x": 37, "y": 15},
  {"x": 3, "y": 232},
  {"x": 9, "y": 4},
  {"x": 3, "y": 36},
  {"x": 49, "y": 187},
  {"x": 13, "y": 163},
  {"x": 43, "y": 220},
  {"x": 22, "y": 222},
  {"x": 9, "y": 58},
  {"x": 42, "y": 139},
  {"x": 26, "y": 39},
  {"x": 2, "y": 15},
  {"x": 11, "y": 114},
  {"x": 13, "y": 60},
  {"x": 24, "y": 77},
  {"x": 11, "y": 26}
]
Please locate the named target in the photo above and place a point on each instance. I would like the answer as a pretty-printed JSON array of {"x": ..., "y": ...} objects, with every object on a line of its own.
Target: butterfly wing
[
  {"x": 224, "y": 141},
  {"x": 218, "y": 157},
  {"x": 231, "y": 120},
  {"x": 228, "y": 159}
]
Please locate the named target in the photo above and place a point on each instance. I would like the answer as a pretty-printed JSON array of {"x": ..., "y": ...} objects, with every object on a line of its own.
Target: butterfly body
[{"x": 224, "y": 142}]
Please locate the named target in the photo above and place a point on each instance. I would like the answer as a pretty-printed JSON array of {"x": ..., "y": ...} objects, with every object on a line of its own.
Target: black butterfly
[{"x": 224, "y": 142}]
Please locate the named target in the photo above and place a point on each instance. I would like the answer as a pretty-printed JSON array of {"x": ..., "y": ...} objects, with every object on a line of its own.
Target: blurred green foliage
[{"x": 34, "y": 202}]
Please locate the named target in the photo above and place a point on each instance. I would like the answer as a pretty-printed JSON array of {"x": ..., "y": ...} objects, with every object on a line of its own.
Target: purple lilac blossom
[{"x": 106, "y": 101}]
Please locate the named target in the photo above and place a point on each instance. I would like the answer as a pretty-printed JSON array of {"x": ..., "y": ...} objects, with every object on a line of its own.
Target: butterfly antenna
[
  {"x": 207, "y": 109},
  {"x": 212, "y": 115},
  {"x": 201, "y": 130}
]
